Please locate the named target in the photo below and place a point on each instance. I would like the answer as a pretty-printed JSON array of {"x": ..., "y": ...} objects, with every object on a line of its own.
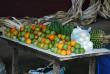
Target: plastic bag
[{"x": 82, "y": 37}]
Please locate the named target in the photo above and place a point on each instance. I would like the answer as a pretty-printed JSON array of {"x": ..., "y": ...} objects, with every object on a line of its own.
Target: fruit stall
[{"x": 56, "y": 43}]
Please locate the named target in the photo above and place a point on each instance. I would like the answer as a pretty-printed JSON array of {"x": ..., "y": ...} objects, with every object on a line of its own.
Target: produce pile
[{"x": 55, "y": 37}]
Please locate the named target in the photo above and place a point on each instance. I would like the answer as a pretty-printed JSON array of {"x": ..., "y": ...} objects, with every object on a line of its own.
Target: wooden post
[
  {"x": 15, "y": 61},
  {"x": 92, "y": 65},
  {"x": 56, "y": 67}
]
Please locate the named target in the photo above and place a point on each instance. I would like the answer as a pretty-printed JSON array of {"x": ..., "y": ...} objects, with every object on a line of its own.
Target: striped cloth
[{"x": 49, "y": 72}]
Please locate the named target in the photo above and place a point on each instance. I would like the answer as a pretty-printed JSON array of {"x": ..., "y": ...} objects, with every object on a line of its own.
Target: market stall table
[{"x": 50, "y": 56}]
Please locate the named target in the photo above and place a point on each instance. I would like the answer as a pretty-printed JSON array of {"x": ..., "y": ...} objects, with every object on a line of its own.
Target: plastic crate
[{"x": 103, "y": 64}]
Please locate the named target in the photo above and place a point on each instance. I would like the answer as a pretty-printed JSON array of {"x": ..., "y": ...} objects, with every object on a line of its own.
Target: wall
[{"x": 34, "y": 8}]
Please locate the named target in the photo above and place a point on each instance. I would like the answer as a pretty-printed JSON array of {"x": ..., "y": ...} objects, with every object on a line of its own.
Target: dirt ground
[{"x": 29, "y": 61}]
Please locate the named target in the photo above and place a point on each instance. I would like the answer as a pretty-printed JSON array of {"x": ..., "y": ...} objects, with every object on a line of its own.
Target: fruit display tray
[{"x": 94, "y": 52}]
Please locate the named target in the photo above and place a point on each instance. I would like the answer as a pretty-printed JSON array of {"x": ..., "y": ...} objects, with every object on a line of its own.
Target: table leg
[
  {"x": 15, "y": 61},
  {"x": 56, "y": 67},
  {"x": 92, "y": 65}
]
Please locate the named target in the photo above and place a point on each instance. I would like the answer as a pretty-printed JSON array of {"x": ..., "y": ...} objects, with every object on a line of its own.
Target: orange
[
  {"x": 44, "y": 26},
  {"x": 39, "y": 33},
  {"x": 69, "y": 47},
  {"x": 68, "y": 52},
  {"x": 60, "y": 46},
  {"x": 35, "y": 37},
  {"x": 12, "y": 29},
  {"x": 63, "y": 52},
  {"x": 42, "y": 40},
  {"x": 51, "y": 37},
  {"x": 73, "y": 43},
  {"x": 59, "y": 35},
  {"x": 22, "y": 29},
  {"x": 33, "y": 27},
  {"x": 40, "y": 25},
  {"x": 26, "y": 35},
  {"x": 28, "y": 41},
  {"x": 63, "y": 41}
]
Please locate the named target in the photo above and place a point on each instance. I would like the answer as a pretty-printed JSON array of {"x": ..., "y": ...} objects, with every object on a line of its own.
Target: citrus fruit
[
  {"x": 23, "y": 33},
  {"x": 30, "y": 26},
  {"x": 37, "y": 29},
  {"x": 58, "y": 51},
  {"x": 33, "y": 27},
  {"x": 23, "y": 39},
  {"x": 39, "y": 39},
  {"x": 15, "y": 32},
  {"x": 19, "y": 34},
  {"x": 8, "y": 29},
  {"x": 42, "y": 40},
  {"x": 31, "y": 36},
  {"x": 77, "y": 45},
  {"x": 40, "y": 25},
  {"x": 35, "y": 37},
  {"x": 28, "y": 30},
  {"x": 45, "y": 46},
  {"x": 77, "y": 51},
  {"x": 65, "y": 46},
  {"x": 11, "y": 35},
  {"x": 44, "y": 27},
  {"x": 82, "y": 50},
  {"x": 56, "y": 45},
  {"x": 72, "y": 49},
  {"x": 35, "y": 32},
  {"x": 50, "y": 46},
  {"x": 63, "y": 52},
  {"x": 39, "y": 33},
  {"x": 12, "y": 29},
  {"x": 68, "y": 52},
  {"x": 22, "y": 29},
  {"x": 47, "y": 41},
  {"x": 25, "y": 29},
  {"x": 52, "y": 42},
  {"x": 47, "y": 36},
  {"x": 59, "y": 35},
  {"x": 69, "y": 47},
  {"x": 44, "y": 30},
  {"x": 68, "y": 43},
  {"x": 38, "y": 44},
  {"x": 8, "y": 34},
  {"x": 60, "y": 41},
  {"x": 67, "y": 38},
  {"x": 73, "y": 43},
  {"x": 51, "y": 37},
  {"x": 19, "y": 38},
  {"x": 52, "y": 49},
  {"x": 55, "y": 50},
  {"x": 41, "y": 45},
  {"x": 14, "y": 37},
  {"x": 63, "y": 41},
  {"x": 63, "y": 37},
  {"x": 56, "y": 39},
  {"x": 47, "y": 31},
  {"x": 35, "y": 42},
  {"x": 60, "y": 46},
  {"x": 42, "y": 35},
  {"x": 53, "y": 32},
  {"x": 27, "y": 35}
]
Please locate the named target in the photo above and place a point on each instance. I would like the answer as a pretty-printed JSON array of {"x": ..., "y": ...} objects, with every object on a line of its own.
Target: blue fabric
[{"x": 49, "y": 72}]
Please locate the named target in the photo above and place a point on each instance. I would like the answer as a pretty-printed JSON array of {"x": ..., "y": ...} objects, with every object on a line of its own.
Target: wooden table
[{"x": 50, "y": 56}]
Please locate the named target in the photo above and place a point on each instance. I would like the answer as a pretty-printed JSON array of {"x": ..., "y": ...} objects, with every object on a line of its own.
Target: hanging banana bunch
[{"x": 105, "y": 9}]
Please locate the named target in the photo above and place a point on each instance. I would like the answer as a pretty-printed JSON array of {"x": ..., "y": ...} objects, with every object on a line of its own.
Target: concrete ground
[{"x": 29, "y": 61}]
